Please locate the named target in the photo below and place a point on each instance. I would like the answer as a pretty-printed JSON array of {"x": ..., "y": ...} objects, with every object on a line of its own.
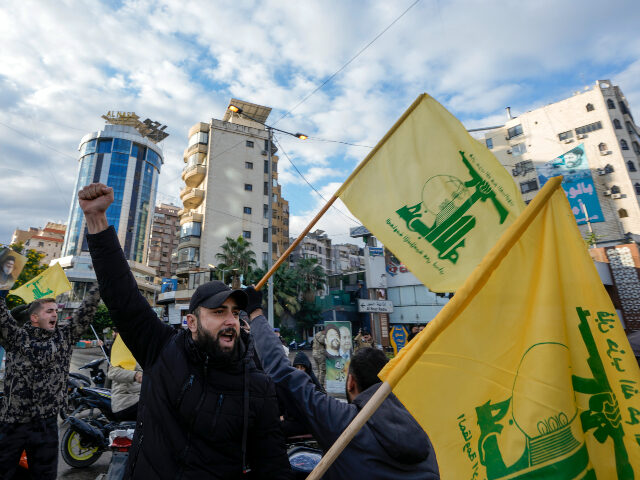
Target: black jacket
[{"x": 195, "y": 419}]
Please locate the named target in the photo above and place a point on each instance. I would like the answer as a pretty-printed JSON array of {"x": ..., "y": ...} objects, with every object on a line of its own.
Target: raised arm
[
  {"x": 141, "y": 329},
  {"x": 11, "y": 335},
  {"x": 83, "y": 315}
]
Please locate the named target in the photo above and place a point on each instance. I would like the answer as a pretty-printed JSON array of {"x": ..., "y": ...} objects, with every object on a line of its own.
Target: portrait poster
[
  {"x": 339, "y": 348},
  {"x": 11, "y": 265}
]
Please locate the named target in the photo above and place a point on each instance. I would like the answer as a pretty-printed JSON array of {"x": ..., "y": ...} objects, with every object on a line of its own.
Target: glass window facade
[
  {"x": 104, "y": 145},
  {"x": 191, "y": 229},
  {"x": 121, "y": 145},
  {"x": 144, "y": 211},
  {"x": 154, "y": 159},
  {"x": 88, "y": 147},
  {"x": 85, "y": 175},
  {"x": 199, "y": 137},
  {"x": 116, "y": 180}
]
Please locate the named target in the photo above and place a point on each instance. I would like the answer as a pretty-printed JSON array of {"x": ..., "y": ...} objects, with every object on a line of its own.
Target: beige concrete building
[
  {"x": 21, "y": 236},
  {"x": 599, "y": 120},
  {"x": 165, "y": 231},
  {"x": 315, "y": 245},
  {"x": 225, "y": 193},
  {"x": 46, "y": 240},
  {"x": 347, "y": 258}
]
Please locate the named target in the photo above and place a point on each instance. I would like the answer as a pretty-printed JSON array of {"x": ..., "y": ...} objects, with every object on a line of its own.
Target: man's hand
[
  {"x": 254, "y": 305},
  {"x": 94, "y": 200},
  {"x": 138, "y": 377}
]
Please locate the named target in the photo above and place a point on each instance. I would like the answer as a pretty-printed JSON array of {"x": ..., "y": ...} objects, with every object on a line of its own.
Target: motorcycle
[
  {"x": 304, "y": 454},
  {"x": 98, "y": 376},
  {"x": 119, "y": 443}
]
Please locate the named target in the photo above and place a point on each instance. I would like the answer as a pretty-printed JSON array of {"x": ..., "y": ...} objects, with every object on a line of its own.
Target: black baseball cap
[{"x": 213, "y": 294}]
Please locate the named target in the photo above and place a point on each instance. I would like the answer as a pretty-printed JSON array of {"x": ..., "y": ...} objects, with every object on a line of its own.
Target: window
[
  {"x": 522, "y": 168},
  {"x": 518, "y": 148},
  {"x": 121, "y": 145},
  {"x": 636, "y": 147},
  {"x": 249, "y": 144},
  {"x": 622, "y": 213},
  {"x": 41, "y": 244},
  {"x": 590, "y": 107},
  {"x": 248, "y": 187},
  {"x": 615, "y": 189},
  {"x": 246, "y": 234},
  {"x": 630, "y": 128},
  {"x": 265, "y": 235},
  {"x": 266, "y": 166},
  {"x": 624, "y": 145},
  {"x": 489, "y": 142},
  {"x": 266, "y": 188},
  {"x": 104, "y": 146},
  {"x": 89, "y": 147},
  {"x": 514, "y": 131},
  {"x": 592, "y": 127},
  {"x": 248, "y": 165},
  {"x": 265, "y": 211},
  {"x": 637, "y": 187},
  {"x": 565, "y": 135},
  {"x": 631, "y": 166},
  {"x": 247, "y": 210},
  {"x": 623, "y": 107},
  {"x": 189, "y": 229},
  {"x": 617, "y": 124},
  {"x": 610, "y": 104},
  {"x": 198, "y": 137},
  {"x": 602, "y": 147},
  {"x": 529, "y": 186}
]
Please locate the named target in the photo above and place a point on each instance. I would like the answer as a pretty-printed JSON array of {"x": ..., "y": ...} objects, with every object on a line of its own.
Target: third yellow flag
[
  {"x": 527, "y": 373},
  {"x": 49, "y": 284},
  {"x": 435, "y": 196}
]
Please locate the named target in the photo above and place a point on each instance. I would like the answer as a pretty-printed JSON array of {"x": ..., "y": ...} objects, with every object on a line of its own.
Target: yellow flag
[
  {"x": 527, "y": 373},
  {"x": 436, "y": 197},
  {"x": 49, "y": 284},
  {"x": 121, "y": 356}
]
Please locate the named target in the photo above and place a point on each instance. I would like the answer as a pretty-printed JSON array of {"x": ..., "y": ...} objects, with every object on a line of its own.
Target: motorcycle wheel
[{"x": 75, "y": 453}]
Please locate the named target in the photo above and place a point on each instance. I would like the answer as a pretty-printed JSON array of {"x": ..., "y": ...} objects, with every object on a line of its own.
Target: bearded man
[{"x": 205, "y": 409}]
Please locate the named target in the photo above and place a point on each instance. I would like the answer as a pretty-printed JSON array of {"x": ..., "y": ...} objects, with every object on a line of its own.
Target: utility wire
[
  {"x": 347, "y": 64},
  {"x": 314, "y": 188}
]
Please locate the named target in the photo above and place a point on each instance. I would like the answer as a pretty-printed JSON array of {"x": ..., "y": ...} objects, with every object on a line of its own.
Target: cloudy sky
[{"x": 64, "y": 64}]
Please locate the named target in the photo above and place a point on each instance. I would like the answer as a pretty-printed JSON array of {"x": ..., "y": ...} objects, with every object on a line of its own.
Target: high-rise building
[
  {"x": 125, "y": 156},
  {"x": 164, "y": 240},
  {"x": 591, "y": 139},
  {"x": 225, "y": 193},
  {"x": 316, "y": 245}
]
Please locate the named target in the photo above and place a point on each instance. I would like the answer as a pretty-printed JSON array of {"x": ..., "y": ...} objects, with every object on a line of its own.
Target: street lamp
[{"x": 270, "y": 129}]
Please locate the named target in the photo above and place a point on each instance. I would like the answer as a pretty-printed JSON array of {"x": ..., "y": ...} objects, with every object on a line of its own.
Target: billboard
[
  {"x": 339, "y": 346},
  {"x": 577, "y": 184},
  {"x": 169, "y": 285}
]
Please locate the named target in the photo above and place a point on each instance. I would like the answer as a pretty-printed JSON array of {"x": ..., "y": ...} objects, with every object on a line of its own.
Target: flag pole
[
  {"x": 292, "y": 247},
  {"x": 347, "y": 435}
]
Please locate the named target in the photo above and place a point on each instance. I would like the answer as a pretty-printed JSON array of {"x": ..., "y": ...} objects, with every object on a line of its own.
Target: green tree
[
  {"x": 236, "y": 254},
  {"x": 285, "y": 290},
  {"x": 311, "y": 278},
  {"x": 308, "y": 316},
  {"x": 31, "y": 269}
]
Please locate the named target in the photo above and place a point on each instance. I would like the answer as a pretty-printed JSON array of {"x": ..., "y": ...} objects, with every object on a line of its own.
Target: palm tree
[
  {"x": 236, "y": 255},
  {"x": 285, "y": 291},
  {"x": 311, "y": 278}
]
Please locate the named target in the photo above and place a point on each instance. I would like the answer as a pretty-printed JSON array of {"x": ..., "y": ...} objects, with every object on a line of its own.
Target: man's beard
[{"x": 210, "y": 345}]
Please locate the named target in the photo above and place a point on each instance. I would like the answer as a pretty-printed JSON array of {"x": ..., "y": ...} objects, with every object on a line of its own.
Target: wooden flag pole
[
  {"x": 292, "y": 247},
  {"x": 354, "y": 427}
]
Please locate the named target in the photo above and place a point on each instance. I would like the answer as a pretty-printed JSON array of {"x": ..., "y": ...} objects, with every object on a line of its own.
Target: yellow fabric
[
  {"x": 433, "y": 195},
  {"x": 49, "y": 284},
  {"x": 527, "y": 372},
  {"x": 121, "y": 356}
]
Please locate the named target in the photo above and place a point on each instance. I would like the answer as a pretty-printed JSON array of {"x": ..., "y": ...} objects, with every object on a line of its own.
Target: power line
[
  {"x": 347, "y": 64},
  {"x": 338, "y": 141},
  {"x": 314, "y": 188}
]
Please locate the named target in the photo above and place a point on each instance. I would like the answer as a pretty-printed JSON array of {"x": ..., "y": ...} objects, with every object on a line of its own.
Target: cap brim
[{"x": 218, "y": 299}]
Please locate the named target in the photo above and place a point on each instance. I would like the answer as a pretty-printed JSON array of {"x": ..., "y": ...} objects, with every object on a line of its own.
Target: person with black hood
[
  {"x": 390, "y": 445},
  {"x": 205, "y": 409}
]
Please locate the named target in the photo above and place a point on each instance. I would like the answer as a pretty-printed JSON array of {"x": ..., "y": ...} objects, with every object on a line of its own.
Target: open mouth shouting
[{"x": 227, "y": 337}]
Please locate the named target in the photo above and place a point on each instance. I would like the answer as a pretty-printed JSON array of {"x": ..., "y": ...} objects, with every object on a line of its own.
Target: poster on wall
[
  {"x": 399, "y": 337},
  {"x": 339, "y": 348},
  {"x": 577, "y": 183}
]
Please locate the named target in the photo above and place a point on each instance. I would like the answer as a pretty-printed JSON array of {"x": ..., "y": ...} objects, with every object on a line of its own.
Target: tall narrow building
[
  {"x": 225, "y": 193},
  {"x": 164, "y": 240},
  {"x": 592, "y": 140},
  {"x": 124, "y": 155}
]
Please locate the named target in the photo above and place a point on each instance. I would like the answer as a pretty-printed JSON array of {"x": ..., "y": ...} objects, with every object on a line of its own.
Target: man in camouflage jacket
[{"x": 35, "y": 384}]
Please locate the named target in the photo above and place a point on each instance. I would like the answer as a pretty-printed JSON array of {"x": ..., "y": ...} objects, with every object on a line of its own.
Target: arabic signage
[
  {"x": 375, "y": 306},
  {"x": 376, "y": 251},
  {"x": 577, "y": 184}
]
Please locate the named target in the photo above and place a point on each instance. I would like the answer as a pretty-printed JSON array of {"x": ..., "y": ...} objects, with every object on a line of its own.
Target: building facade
[
  {"x": 590, "y": 138},
  {"x": 316, "y": 245},
  {"x": 225, "y": 193},
  {"x": 163, "y": 242},
  {"x": 47, "y": 241},
  {"x": 123, "y": 155}
]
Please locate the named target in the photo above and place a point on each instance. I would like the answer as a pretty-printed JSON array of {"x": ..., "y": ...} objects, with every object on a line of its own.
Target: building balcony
[
  {"x": 190, "y": 241},
  {"x": 194, "y": 174},
  {"x": 187, "y": 216},
  {"x": 185, "y": 267},
  {"x": 191, "y": 197}
]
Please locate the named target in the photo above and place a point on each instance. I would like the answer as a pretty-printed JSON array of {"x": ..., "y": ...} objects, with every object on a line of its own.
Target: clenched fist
[{"x": 94, "y": 200}]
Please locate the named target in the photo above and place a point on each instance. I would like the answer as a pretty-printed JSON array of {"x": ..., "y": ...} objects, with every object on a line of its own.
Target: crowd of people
[{"x": 215, "y": 399}]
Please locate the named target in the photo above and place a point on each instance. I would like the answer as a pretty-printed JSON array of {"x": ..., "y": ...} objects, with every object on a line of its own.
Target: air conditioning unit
[
  {"x": 509, "y": 152},
  {"x": 605, "y": 152},
  {"x": 568, "y": 140},
  {"x": 616, "y": 195},
  {"x": 582, "y": 135},
  {"x": 607, "y": 192}
]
